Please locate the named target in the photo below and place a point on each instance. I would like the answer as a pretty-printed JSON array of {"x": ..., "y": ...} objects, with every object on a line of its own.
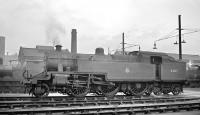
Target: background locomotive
[
  {"x": 11, "y": 79},
  {"x": 136, "y": 73},
  {"x": 10, "y": 76},
  {"x": 193, "y": 76}
]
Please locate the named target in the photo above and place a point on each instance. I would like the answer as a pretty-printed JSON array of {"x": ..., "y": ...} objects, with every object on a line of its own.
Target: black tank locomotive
[{"x": 136, "y": 73}]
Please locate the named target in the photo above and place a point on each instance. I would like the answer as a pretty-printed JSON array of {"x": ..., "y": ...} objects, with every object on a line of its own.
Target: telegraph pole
[
  {"x": 123, "y": 43},
  {"x": 179, "y": 32}
]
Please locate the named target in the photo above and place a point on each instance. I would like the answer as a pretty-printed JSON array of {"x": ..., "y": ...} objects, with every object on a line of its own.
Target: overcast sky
[{"x": 99, "y": 23}]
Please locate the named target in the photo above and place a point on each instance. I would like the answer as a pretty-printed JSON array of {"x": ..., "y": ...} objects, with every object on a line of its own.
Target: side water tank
[{"x": 99, "y": 51}]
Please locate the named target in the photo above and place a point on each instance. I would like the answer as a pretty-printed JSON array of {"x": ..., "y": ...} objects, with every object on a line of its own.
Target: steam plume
[{"x": 54, "y": 30}]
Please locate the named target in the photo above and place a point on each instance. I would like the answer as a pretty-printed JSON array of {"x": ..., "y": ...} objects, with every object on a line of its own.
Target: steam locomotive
[
  {"x": 136, "y": 73},
  {"x": 45, "y": 69}
]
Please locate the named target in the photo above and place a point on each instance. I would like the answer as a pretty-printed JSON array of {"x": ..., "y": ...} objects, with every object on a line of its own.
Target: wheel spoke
[
  {"x": 176, "y": 91},
  {"x": 79, "y": 91},
  {"x": 138, "y": 89},
  {"x": 166, "y": 90},
  {"x": 40, "y": 90},
  {"x": 149, "y": 90},
  {"x": 109, "y": 91},
  {"x": 157, "y": 90}
]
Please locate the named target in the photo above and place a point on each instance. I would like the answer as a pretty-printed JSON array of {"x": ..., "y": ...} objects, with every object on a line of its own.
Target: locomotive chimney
[
  {"x": 58, "y": 47},
  {"x": 99, "y": 51},
  {"x": 74, "y": 41}
]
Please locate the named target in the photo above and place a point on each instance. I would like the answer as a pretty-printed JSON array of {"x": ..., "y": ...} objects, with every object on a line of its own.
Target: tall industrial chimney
[
  {"x": 2, "y": 49},
  {"x": 74, "y": 41}
]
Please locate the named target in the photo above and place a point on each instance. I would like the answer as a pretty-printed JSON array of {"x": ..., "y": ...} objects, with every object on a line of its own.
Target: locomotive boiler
[{"x": 136, "y": 73}]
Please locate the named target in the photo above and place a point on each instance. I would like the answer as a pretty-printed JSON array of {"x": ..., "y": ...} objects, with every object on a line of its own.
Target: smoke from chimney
[
  {"x": 74, "y": 41},
  {"x": 54, "y": 30}
]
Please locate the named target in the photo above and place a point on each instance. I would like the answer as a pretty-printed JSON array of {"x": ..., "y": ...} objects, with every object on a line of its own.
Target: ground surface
[
  {"x": 179, "y": 113},
  {"x": 187, "y": 92},
  {"x": 193, "y": 92}
]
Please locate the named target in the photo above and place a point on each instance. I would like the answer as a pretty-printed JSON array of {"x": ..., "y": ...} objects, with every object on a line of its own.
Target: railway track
[
  {"x": 97, "y": 105},
  {"x": 111, "y": 109},
  {"x": 90, "y": 102},
  {"x": 60, "y": 98}
]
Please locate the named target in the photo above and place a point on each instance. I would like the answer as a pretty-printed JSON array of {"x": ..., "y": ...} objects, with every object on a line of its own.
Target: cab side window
[{"x": 156, "y": 60}]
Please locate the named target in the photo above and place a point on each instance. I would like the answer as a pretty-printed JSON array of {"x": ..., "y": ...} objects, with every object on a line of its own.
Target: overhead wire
[{"x": 192, "y": 31}]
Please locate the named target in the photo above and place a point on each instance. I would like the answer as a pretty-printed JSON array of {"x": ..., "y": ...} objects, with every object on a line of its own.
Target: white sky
[{"x": 99, "y": 23}]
